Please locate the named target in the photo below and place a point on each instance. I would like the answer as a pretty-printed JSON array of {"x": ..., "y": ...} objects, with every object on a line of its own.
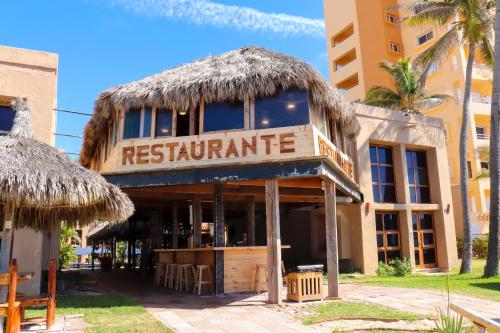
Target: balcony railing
[
  {"x": 476, "y": 99},
  {"x": 482, "y": 136}
]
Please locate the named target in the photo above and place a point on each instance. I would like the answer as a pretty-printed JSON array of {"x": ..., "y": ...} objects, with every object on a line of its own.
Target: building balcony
[{"x": 482, "y": 72}]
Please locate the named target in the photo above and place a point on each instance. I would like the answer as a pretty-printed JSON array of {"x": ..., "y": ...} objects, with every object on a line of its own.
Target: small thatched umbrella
[{"x": 40, "y": 187}]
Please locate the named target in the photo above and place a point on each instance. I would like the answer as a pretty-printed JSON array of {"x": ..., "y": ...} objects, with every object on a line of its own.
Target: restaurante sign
[{"x": 211, "y": 149}]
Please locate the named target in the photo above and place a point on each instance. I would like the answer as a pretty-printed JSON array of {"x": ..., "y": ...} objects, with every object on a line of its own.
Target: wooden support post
[
  {"x": 93, "y": 257},
  {"x": 197, "y": 218},
  {"x": 175, "y": 226},
  {"x": 251, "y": 220},
  {"x": 332, "y": 256},
  {"x": 219, "y": 238},
  {"x": 273, "y": 241}
]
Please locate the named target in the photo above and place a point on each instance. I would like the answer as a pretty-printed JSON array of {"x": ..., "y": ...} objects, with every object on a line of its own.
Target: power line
[
  {"x": 74, "y": 112},
  {"x": 69, "y": 135}
]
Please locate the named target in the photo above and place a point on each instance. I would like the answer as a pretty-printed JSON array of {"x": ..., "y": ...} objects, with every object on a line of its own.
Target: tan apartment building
[
  {"x": 30, "y": 74},
  {"x": 360, "y": 34}
]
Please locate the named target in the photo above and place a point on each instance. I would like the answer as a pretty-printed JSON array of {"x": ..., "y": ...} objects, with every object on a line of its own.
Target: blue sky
[{"x": 104, "y": 43}]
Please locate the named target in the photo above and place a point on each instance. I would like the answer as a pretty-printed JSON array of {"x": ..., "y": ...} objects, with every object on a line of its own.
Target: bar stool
[
  {"x": 167, "y": 278},
  {"x": 198, "y": 278},
  {"x": 171, "y": 273},
  {"x": 161, "y": 270},
  {"x": 259, "y": 269},
  {"x": 185, "y": 277}
]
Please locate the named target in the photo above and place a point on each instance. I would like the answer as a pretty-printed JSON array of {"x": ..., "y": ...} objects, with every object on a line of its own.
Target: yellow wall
[{"x": 370, "y": 37}]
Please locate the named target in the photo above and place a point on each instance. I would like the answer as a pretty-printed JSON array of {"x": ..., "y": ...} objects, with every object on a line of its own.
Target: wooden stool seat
[
  {"x": 185, "y": 277},
  {"x": 198, "y": 278},
  {"x": 160, "y": 272},
  {"x": 259, "y": 269}
]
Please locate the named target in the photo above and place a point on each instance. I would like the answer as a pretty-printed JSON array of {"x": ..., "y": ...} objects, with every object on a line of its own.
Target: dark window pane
[
  {"x": 378, "y": 219},
  {"x": 388, "y": 193},
  {"x": 164, "y": 122},
  {"x": 146, "y": 132},
  {"x": 376, "y": 193},
  {"x": 132, "y": 124},
  {"x": 384, "y": 155},
  {"x": 391, "y": 222},
  {"x": 429, "y": 256},
  {"x": 6, "y": 118},
  {"x": 393, "y": 254},
  {"x": 422, "y": 177},
  {"x": 421, "y": 159},
  {"x": 392, "y": 240},
  {"x": 224, "y": 116},
  {"x": 386, "y": 175},
  {"x": 411, "y": 175},
  {"x": 413, "y": 195},
  {"x": 288, "y": 108},
  {"x": 428, "y": 238},
  {"x": 373, "y": 154},
  {"x": 380, "y": 240},
  {"x": 426, "y": 221},
  {"x": 375, "y": 174},
  {"x": 416, "y": 243},
  {"x": 417, "y": 257},
  {"x": 381, "y": 256},
  {"x": 414, "y": 221},
  {"x": 424, "y": 195},
  {"x": 409, "y": 159}
]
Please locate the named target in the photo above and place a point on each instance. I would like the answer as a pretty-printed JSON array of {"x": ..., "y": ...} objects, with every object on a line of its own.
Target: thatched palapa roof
[
  {"x": 249, "y": 71},
  {"x": 45, "y": 187}
]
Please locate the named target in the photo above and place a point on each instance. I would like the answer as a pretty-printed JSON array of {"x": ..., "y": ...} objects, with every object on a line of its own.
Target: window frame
[
  {"x": 6, "y": 132},
  {"x": 416, "y": 186},
  {"x": 384, "y": 248},
  {"x": 394, "y": 17},
  {"x": 398, "y": 46},
  {"x": 379, "y": 165},
  {"x": 421, "y": 246},
  {"x": 141, "y": 124},
  {"x": 245, "y": 121},
  {"x": 427, "y": 38}
]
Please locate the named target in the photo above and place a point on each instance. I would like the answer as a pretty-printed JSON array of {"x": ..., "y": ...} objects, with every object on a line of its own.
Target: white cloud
[{"x": 205, "y": 12}]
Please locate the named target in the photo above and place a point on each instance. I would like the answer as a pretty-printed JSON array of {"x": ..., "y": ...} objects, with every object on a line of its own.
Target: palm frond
[
  {"x": 383, "y": 97},
  {"x": 429, "y": 13},
  {"x": 438, "y": 52},
  {"x": 484, "y": 174},
  {"x": 486, "y": 49}
]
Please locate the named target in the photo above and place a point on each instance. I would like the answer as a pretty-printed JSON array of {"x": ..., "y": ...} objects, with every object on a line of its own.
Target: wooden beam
[
  {"x": 197, "y": 217},
  {"x": 175, "y": 226},
  {"x": 273, "y": 241},
  {"x": 219, "y": 238},
  {"x": 332, "y": 256},
  {"x": 251, "y": 220}
]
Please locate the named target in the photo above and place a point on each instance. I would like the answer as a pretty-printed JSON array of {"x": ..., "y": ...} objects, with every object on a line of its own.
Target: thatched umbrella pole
[{"x": 6, "y": 247}]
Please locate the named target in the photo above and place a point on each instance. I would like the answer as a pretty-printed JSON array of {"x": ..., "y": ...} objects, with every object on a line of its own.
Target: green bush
[
  {"x": 480, "y": 247},
  {"x": 395, "y": 267},
  {"x": 448, "y": 324},
  {"x": 402, "y": 267},
  {"x": 460, "y": 247}
]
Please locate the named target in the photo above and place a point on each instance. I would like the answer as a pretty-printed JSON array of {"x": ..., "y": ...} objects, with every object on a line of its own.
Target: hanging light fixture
[{"x": 183, "y": 112}]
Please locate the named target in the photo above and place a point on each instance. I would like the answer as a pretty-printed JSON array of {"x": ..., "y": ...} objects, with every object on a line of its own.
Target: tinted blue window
[
  {"x": 224, "y": 116},
  {"x": 416, "y": 163},
  {"x": 164, "y": 122},
  {"x": 373, "y": 154},
  {"x": 288, "y": 108},
  {"x": 146, "y": 132},
  {"x": 132, "y": 124},
  {"x": 382, "y": 170},
  {"x": 384, "y": 155},
  {"x": 6, "y": 118}
]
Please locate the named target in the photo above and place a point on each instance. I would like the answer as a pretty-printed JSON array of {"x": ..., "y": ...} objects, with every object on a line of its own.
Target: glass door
[{"x": 424, "y": 240}]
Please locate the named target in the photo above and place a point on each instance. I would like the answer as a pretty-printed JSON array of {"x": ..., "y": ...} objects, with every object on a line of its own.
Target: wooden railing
[{"x": 480, "y": 324}]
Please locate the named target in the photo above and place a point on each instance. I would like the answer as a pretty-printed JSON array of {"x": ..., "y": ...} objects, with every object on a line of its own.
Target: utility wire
[
  {"x": 69, "y": 135},
  {"x": 74, "y": 112}
]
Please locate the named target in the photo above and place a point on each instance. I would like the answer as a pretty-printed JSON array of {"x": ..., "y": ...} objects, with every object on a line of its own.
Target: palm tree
[
  {"x": 409, "y": 96},
  {"x": 470, "y": 24},
  {"x": 491, "y": 268}
]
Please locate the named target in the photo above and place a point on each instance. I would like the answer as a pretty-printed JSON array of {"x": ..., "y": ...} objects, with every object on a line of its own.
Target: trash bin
[{"x": 305, "y": 283}]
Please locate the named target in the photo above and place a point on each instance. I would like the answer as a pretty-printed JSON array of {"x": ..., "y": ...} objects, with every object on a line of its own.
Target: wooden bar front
[{"x": 239, "y": 263}]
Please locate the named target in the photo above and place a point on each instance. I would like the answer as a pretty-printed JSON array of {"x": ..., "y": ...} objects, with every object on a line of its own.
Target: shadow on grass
[
  {"x": 94, "y": 301},
  {"x": 495, "y": 286}
]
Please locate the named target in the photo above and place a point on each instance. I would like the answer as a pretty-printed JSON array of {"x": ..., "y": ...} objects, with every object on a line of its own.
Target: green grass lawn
[
  {"x": 468, "y": 284},
  {"x": 108, "y": 313},
  {"x": 358, "y": 310}
]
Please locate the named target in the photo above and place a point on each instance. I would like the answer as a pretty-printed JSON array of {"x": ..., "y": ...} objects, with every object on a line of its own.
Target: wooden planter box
[{"x": 306, "y": 286}]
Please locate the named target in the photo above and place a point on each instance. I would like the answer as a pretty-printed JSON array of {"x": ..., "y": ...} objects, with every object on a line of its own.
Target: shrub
[
  {"x": 480, "y": 247},
  {"x": 395, "y": 267},
  {"x": 402, "y": 267},
  {"x": 385, "y": 269},
  {"x": 448, "y": 324},
  {"x": 460, "y": 247}
]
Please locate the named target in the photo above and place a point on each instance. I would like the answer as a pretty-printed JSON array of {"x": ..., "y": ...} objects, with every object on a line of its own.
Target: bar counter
[{"x": 239, "y": 263}]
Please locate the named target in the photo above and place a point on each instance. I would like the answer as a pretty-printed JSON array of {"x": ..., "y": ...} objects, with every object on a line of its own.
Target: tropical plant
[
  {"x": 447, "y": 323},
  {"x": 469, "y": 23},
  {"x": 491, "y": 268},
  {"x": 67, "y": 253},
  {"x": 409, "y": 95}
]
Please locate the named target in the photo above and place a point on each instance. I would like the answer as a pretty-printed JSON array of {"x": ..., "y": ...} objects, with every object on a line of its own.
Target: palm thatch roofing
[
  {"x": 45, "y": 187},
  {"x": 249, "y": 71}
]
